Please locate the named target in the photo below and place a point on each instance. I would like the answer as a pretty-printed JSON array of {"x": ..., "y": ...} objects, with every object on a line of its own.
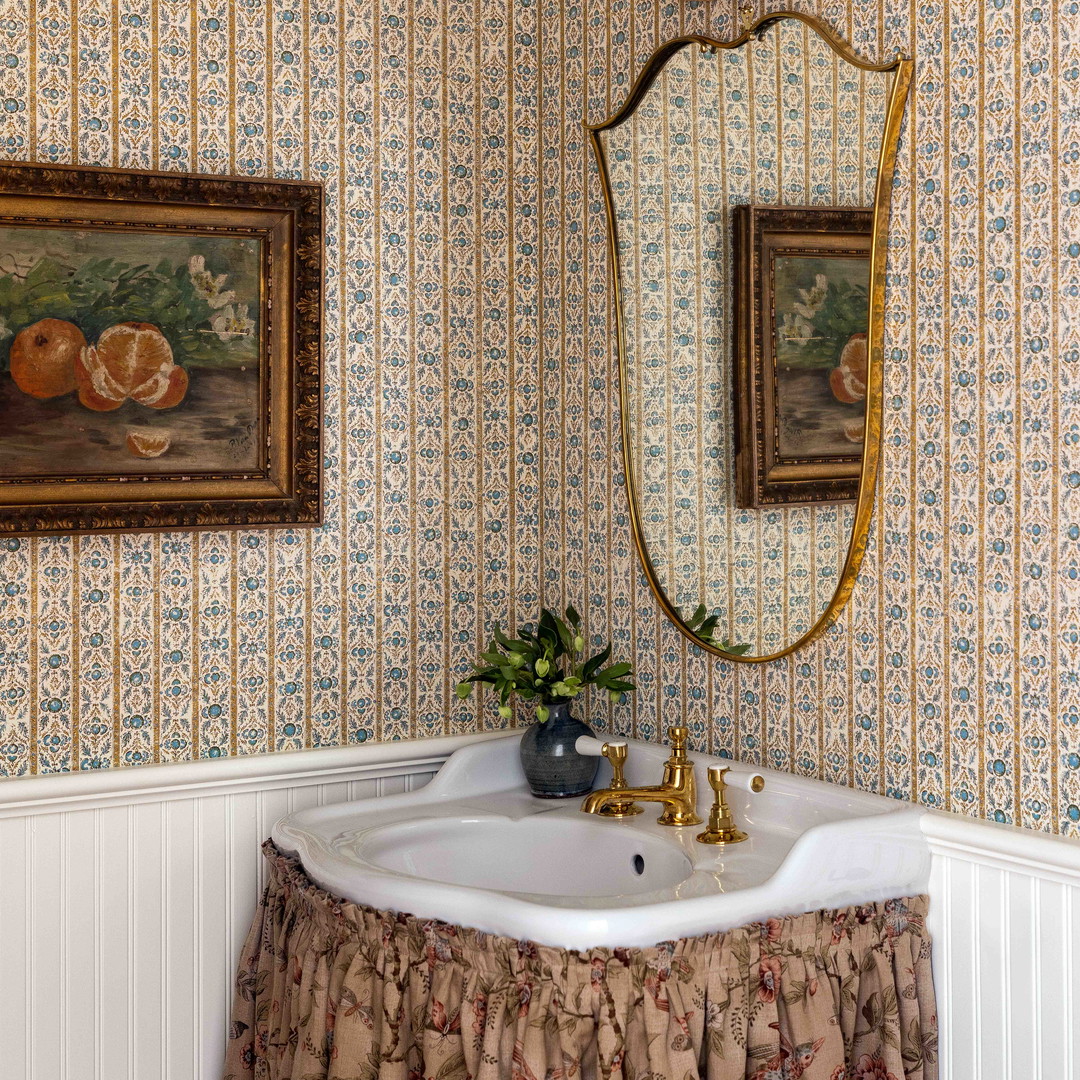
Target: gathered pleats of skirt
[{"x": 331, "y": 990}]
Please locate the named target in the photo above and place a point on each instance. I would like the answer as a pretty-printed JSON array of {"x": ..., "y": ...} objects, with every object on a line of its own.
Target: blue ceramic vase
[{"x": 553, "y": 768}]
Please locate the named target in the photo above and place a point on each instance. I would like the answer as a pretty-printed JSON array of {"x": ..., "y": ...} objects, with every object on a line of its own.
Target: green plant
[
  {"x": 702, "y": 625},
  {"x": 546, "y": 665}
]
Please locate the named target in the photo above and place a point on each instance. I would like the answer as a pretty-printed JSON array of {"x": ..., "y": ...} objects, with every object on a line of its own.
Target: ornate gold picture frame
[{"x": 159, "y": 351}]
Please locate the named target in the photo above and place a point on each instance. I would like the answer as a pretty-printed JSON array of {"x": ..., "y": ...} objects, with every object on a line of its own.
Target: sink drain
[{"x": 638, "y": 863}]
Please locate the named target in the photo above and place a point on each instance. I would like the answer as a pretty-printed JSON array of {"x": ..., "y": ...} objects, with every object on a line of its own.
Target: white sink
[
  {"x": 474, "y": 847},
  {"x": 541, "y": 855}
]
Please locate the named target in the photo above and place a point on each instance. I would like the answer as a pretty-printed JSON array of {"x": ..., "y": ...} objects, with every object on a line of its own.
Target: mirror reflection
[{"x": 742, "y": 183}]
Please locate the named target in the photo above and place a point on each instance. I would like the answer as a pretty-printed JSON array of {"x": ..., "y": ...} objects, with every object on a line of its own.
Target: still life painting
[
  {"x": 802, "y": 321},
  {"x": 159, "y": 350},
  {"x": 126, "y": 350}
]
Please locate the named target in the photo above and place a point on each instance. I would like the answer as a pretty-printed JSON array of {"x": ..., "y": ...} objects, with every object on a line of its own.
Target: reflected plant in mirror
[
  {"x": 703, "y": 626},
  {"x": 750, "y": 355}
]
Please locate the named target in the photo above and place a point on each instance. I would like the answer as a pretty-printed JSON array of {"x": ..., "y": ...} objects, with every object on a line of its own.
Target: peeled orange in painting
[
  {"x": 162, "y": 390},
  {"x": 43, "y": 358},
  {"x": 147, "y": 443},
  {"x": 133, "y": 353},
  {"x": 848, "y": 380},
  {"x": 98, "y": 390},
  {"x": 130, "y": 360}
]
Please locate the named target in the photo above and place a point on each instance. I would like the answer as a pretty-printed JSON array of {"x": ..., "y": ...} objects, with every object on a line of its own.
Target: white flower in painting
[
  {"x": 221, "y": 299},
  {"x": 5, "y": 330},
  {"x": 232, "y": 322},
  {"x": 813, "y": 297},
  {"x": 208, "y": 287},
  {"x": 795, "y": 329}
]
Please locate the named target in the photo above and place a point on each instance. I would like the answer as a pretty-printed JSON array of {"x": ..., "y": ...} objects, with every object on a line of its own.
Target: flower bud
[
  {"x": 505, "y": 712},
  {"x": 579, "y": 643},
  {"x": 542, "y": 666},
  {"x": 615, "y": 696},
  {"x": 541, "y": 714},
  {"x": 515, "y": 659}
]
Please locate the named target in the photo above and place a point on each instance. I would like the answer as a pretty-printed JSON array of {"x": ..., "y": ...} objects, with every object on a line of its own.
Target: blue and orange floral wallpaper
[{"x": 471, "y": 437}]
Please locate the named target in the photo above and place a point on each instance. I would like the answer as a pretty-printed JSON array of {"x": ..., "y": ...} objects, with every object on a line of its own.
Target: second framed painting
[
  {"x": 801, "y": 320},
  {"x": 159, "y": 350}
]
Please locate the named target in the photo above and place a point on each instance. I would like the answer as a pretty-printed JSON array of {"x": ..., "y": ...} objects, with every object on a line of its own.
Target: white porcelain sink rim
[{"x": 800, "y": 866}]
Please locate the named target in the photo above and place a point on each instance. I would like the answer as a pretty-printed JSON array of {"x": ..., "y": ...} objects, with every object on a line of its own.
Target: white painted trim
[
  {"x": 1005, "y": 921},
  {"x": 53, "y": 793},
  {"x": 1005, "y": 847},
  {"x": 129, "y": 891}
]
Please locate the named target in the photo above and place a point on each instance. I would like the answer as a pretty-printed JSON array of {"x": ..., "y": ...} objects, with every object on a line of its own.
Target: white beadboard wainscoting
[
  {"x": 1005, "y": 919},
  {"x": 125, "y": 896}
]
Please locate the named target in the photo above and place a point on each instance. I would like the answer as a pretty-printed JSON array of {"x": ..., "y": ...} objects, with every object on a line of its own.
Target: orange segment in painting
[
  {"x": 98, "y": 390},
  {"x": 164, "y": 390},
  {"x": 147, "y": 443}
]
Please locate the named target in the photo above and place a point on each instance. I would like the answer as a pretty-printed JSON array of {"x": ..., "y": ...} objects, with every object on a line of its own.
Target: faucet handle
[
  {"x": 721, "y": 828},
  {"x": 717, "y": 775},
  {"x": 616, "y": 753},
  {"x": 587, "y": 746},
  {"x": 624, "y": 806},
  {"x": 677, "y": 737},
  {"x": 722, "y": 776}
]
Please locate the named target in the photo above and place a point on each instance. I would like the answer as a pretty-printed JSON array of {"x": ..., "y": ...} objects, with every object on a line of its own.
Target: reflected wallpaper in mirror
[{"x": 781, "y": 121}]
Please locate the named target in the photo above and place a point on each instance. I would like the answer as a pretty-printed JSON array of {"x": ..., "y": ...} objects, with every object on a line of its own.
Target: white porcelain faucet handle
[
  {"x": 745, "y": 781},
  {"x": 588, "y": 746}
]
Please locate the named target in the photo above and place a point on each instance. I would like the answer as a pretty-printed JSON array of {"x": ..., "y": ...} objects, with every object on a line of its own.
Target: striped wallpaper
[{"x": 471, "y": 439}]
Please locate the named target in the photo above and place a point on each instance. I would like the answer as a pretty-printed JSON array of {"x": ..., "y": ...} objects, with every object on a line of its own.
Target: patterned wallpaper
[
  {"x": 470, "y": 431},
  {"x": 954, "y": 676},
  {"x": 712, "y": 133}
]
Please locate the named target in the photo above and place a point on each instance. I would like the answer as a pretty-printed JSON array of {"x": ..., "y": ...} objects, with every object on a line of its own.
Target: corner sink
[
  {"x": 475, "y": 847},
  {"x": 540, "y": 855}
]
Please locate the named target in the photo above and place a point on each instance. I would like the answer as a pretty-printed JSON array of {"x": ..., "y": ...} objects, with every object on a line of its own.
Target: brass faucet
[{"x": 676, "y": 791}]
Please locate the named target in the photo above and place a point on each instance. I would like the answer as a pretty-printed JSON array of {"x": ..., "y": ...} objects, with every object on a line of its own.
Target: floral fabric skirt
[{"x": 330, "y": 990}]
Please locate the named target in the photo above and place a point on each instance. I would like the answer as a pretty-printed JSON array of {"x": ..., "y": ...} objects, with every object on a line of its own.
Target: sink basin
[
  {"x": 537, "y": 855},
  {"x": 475, "y": 847}
]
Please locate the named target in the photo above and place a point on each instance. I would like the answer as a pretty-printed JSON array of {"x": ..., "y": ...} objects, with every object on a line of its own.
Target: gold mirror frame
[{"x": 902, "y": 67}]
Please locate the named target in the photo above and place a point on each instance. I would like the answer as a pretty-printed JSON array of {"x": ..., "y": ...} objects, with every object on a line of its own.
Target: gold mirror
[{"x": 747, "y": 188}]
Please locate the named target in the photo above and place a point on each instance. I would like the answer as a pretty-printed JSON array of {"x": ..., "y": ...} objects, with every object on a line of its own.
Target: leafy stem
[{"x": 546, "y": 665}]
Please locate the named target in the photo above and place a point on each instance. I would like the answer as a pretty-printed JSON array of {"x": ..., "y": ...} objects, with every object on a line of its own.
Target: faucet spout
[
  {"x": 677, "y": 792},
  {"x": 678, "y": 810}
]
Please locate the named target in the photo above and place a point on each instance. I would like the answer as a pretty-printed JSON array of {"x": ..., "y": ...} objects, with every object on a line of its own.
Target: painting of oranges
[
  {"x": 124, "y": 352},
  {"x": 822, "y": 312}
]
